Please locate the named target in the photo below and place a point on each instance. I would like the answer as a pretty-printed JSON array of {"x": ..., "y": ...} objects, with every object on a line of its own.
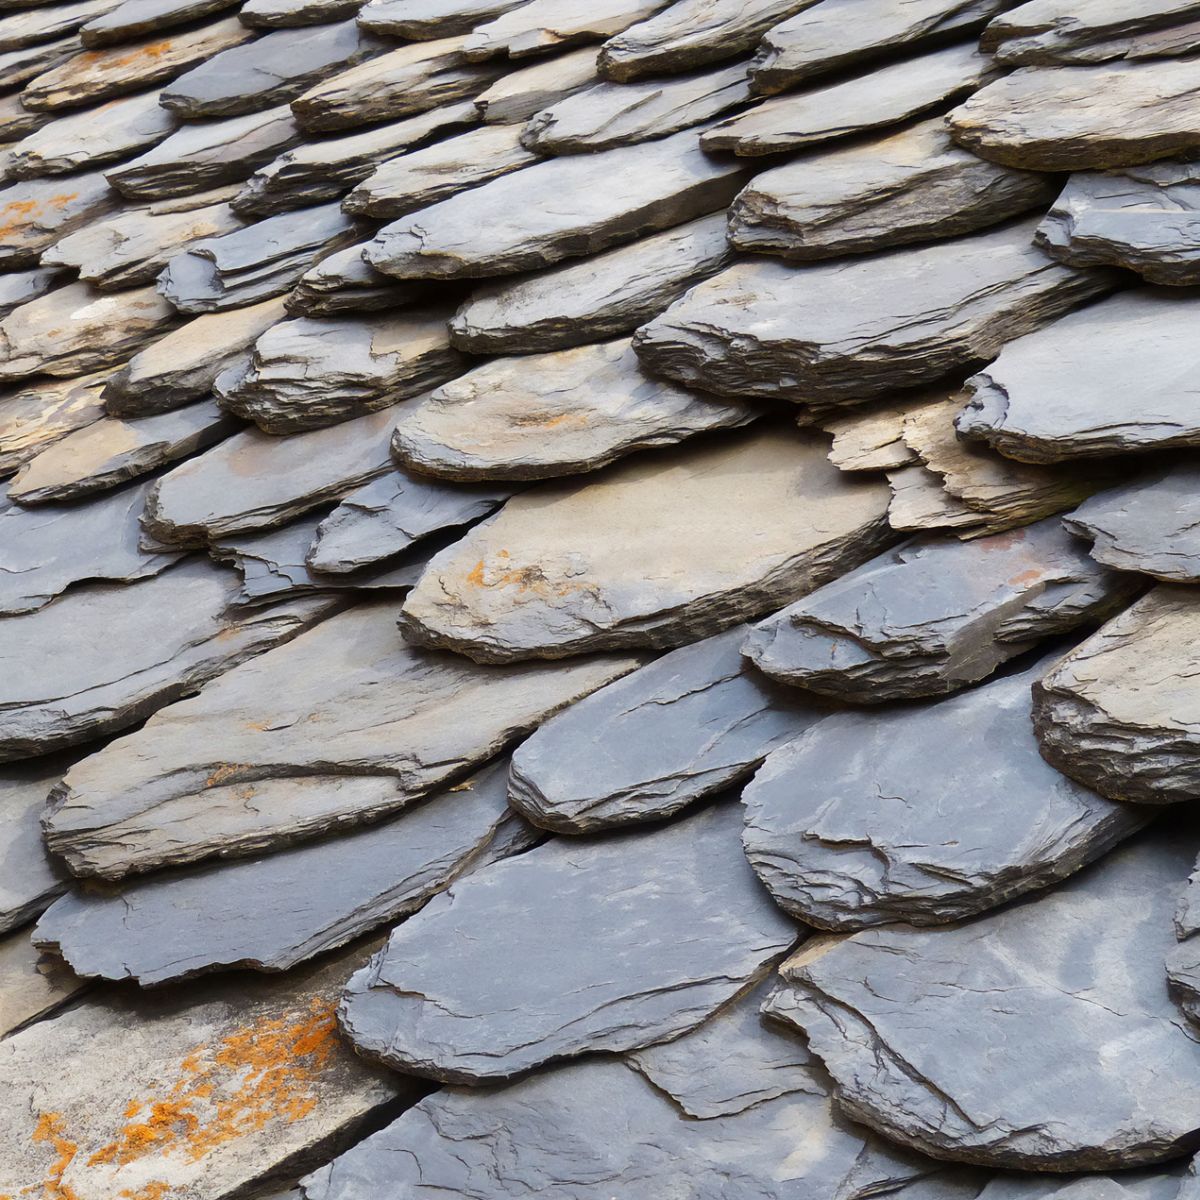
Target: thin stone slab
[
  {"x": 902, "y": 1017},
  {"x": 885, "y": 96},
  {"x": 547, "y": 415},
  {"x": 44, "y": 552},
  {"x": 612, "y": 114},
  {"x": 255, "y": 263},
  {"x": 48, "y": 22},
  {"x": 519, "y": 94},
  {"x": 911, "y": 186},
  {"x": 839, "y": 34},
  {"x": 182, "y": 366},
  {"x": 844, "y": 332},
  {"x": 32, "y": 984},
  {"x": 35, "y": 213},
  {"x": 545, "y": 25},
  {"x": 270, "y": 913},
  {"x": 344, "y": 725},
  {"x": 38, "y": 414},
  {"x": 935, "y": 615},
  {"x": 207, "y": 154},
  {"x": 75, "y": 329},
  {"x": 607, "y": 944},
  {"x": 506, "y": 226},
  {"x": 652, "y": 553},
  {"x": 273, "y": 69},
  {"x": 254, "y": 481},
  {"x": 132, "y": 18},
  {"x": 1183, "y": 974},
  {"x": 1068, "y": 118},
  {"x": 112, "y": 451},
  {"x": 287, "y": 14},
  {"x": 847, "y": 826},
  {"x": 422, "y": 177},
  {"x": 203, "y": 1091},
  {"x": 1072, "y": 390},
  {"x": 600, "y": 296},
  {"x": 872, "y": 440},
  {"x": 920, "y": 502},
  {"x": 31, "y": 879},
  {"x": 306, "y": 373},
  {"x": 84, "y": 666},
  {"x": 1116, "y": 713},
  {"x": 388, "y": 515},
  {"x": 429, "y": 19},
  {"x": 691, "y": 33},
  {"x": 342, "y": 282},
  {"x": 20, "y": 66},
  {"x": 17, "y": 121},
  {"x": 690, "y": 724},
  {"x": 19, "y": 287}
]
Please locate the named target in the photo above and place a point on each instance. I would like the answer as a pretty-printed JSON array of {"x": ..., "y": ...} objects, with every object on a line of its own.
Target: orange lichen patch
[
  {"x": 51, "y": 1129},
  {"x": 525, "y": 579},
  {"x": 1030, "y": 576},
  {"x": 62, "y": 199},
  {"x": 222, "y": 775},
  {"x": 546, "y": 421},
  {"x": 156, "y": 1189},
  {"x": 106, "y": 60},
  {"x": 15, "y": 215}
]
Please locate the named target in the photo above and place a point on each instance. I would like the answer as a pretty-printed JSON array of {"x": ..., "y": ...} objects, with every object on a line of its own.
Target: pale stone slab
[
  {"x": 545, "y": 25},
  {"x": 519, "y": 94},
  {"x": 429, "y": 19},
  {"x": 341, "y": 282},
  {"x": 32, "y": 985},
  {"x": 47, "y": 22},
  {"x": 35, "y": 213},
  {"x": 17, "y": 121},
  {"x": 132, "y": 18},
  {"x": 39, "y": 414},
  {"x": 31, "y": 879},
  {"x": 20, "y": 66},
  {"x": 919, "y": 502},
  {"x": 869, "y": 441}
]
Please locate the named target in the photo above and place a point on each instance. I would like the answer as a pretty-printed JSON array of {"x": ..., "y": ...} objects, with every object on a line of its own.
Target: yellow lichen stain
[
  {"x": 222, "y": 775},
  {"x": 546, "y": 421},
  {"x": 62, "y": 199},
  {"x": 156, "y": 1189},
  {"x": 16, "y": 215},
  {"x": 106, "y": 60}
]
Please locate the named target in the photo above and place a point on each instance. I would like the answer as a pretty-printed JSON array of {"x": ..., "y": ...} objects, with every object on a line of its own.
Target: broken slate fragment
[
  {"x": 31, "y": 879},
  {"x": 505, "y": 226},
  {"x": 35, "y": 213},
  {"x": 18, "y": 287},
  {"x": 519, "y": 94},
  {"x": 685, "y": 726},
  {"x": 342, "y": 282},
  {"x": 395, "y": 722},
  {"x": 286, "y": 14},
  {"x": 32, "y": 984},
  {"x": 845, "y": 331},
  {"x": 674, "y": 925},
  {"x": 936, "y": 614},
  {"x": 38, "y": 414},
  {"x": 132, "y": 18},
  {"x": 920, "y": 502},
  {"x": 545, "y": 25},
  {"x": 20, "y": 66},
  {"x": 870, "y": 440}
]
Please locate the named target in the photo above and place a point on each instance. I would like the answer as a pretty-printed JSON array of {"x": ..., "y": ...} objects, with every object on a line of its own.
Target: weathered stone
[
  {"x": 75, "y": 328},
  {"x": 404, "y": 82},
  {"x": 44, "y": 552},
  {"x": 31, "y": 879},
  {"x": 1183, "y": 973},
  {"x": 205, "y": 155},
  {"x": 837, "y": 34},
  {"x": 652, "y": 553},
  {"x": 597, "y": 297},
  {"x": 843, "y": 332},
  {"x": 552, "y": 414},
  {"x": 1073, "y": 390},
  {"x": 934, "y": 615},
  {"x": 254, "y": 263},
  {"x": 612, "y": 114},
  {"x": 19, "y": 66},
  {"x": 919, "y": 502},
  {"x": 545, "y": 25},
  {"x": 1116, "y": 713},
  {"x": 45, "y": 23},
  {"x": 395, "y": 722},
  {"x": 32, "y": 985},
  {"x": 306, "y": 373},
  {"x": 85, "y": 140},
  {"x": 255, "y": 481},
  {"x": 519, "y": 94},
  {"x": 886, "y": 96},
  {"x": 132, "y": 18},
  {"x": 902, "y": 1018},
  {"x": 423, "y": 177},
  {"x": 286, "y": 14},
  {"x": 324, "y": 169},
  {"x": 182, "y": 366},
  {"x": 35, "y": 213},
  {"x": 111, "y": 451},
  {"x": 16, "y": 121},
  {"x": 272, "y": 69},
  {"x": 251, "y": 1072},
  {"x": 1067, "y": 118},
  {"x": 272, "y": 912},
  {"x": 98, "y": 75},
  {"x": 132, "y": 247},
  {"x": 847, "y": 825},
  {"x": 342, "y": 282},
  {"x": 428, "y": 19},
  {"x": 39, "y": 414},
  {"x": 19, "y": 287},
  {"x": 909, "y": 187},
  {"x": 689, "y": 724},
  {"x": 506, "y": 225},
  {"x": 872, "y": 440},
  {"x": 691, "y": 33},
  {"x": 674, "y": 927},
  {"x": 386, "y": 516}
]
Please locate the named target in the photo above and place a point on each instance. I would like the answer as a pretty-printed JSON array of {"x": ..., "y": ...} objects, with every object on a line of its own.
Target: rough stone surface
[
  {"x": 842, "y": 332},
  {"x": 35, "y": 213},
  {"x": 429, "y": 19},
  {"x": 38, "y": 414},
  {"x": 545, "y": 415},
  {"x": 31, "y": 879},
  {"x": 519, "y": 94},
  {"x": 652, "y": 553},
  {"x": 45, "y": 23},
  {"x": 545, "y": 25},
  {"x": 132, "y": 18},
  {"x": 920, "y": 503},
  {"x": 647, "y": 746},
  {"x": 20, "y": 66},
  {"x": 505, "y": 226},
  {"x": 17, "y": 121},
  {"x": 19, "y": 287},
  {"x": 934, "y": 615},
  {"x": 397, "y": 723},
  {"x": 32, "y": 985},
  {"x": 341, "y": 282},
  {"x": 704, "y": 930},
  {"x": 287, "y": 14},
  {"x": 871, "y": 440}
]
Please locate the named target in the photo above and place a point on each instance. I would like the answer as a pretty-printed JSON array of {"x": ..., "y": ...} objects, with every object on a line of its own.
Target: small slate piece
[
  {"x": 20, "y": 66},
  {"x": 38, "y": 414},
  {"x": 30, "y": 880},
  {"x": 429, "y": 19},
  {"x": 519, "y": 94},
  {"x": 35, "y": 213},
  {"x": 545, "y": 25},
  {"x": 920, "y": 502},
  {"x": 341, "y": 282},
  {"x": 344, "y": 725},
  {"x": 674, "y": 927},
  {"x": 870, "y": 440},
  {"x": 935, "y": 614},
  {"x": 32, "y": 984},
  {"x": 689, "y": 724},
  {"x": 132, "y": 18}
]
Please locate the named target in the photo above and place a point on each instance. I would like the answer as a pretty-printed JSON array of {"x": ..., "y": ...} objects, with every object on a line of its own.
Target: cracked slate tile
[
  {"x": 31, "y": 879},
  {"x": 38, "y": 414},
  {"x": 32, "y": 985},
  {"x": 519, "y": 94},
  {"x": 341, "y": 282},
  {"x": 133, "y": 18},
  {"x": 36, "y": 213},
  {"x": 545, "y": 25}
]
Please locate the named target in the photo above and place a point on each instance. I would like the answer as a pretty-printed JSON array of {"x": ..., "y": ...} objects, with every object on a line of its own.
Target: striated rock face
[
  {"x": 519, "y": 94},
  {"x": 397, "y": 723},
  {"x": 653, "y": 553},
  {"x": 1073, "y": 976},
  {"x": 38, "y": 414},
  {"x": 869, "y": 440},
  {"x": 1072, "y": 390},
  {"x": 936, "y": 614},
  {"x": 842, "y": 332},
  {"x": 31, "y": 879},
  {"x": 32, "y": 985},
  {"x": 35, "y": 213},
  {"x": 921, "y": 503},
  {"x": 1116, "y": 713},
  {"x": 546, "y": 25},
  {"x": 430, "y": 18},
  {"x": 287, "y": 14},
  {"x": 341, "y": 283},
  {"x": 911, "y": 186},
  {"x": 922, "y": 814},
  {"x": 705, "y": 930},
  {"x": 132, "y": 18},
  {"x": 683, "y": 727}
]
